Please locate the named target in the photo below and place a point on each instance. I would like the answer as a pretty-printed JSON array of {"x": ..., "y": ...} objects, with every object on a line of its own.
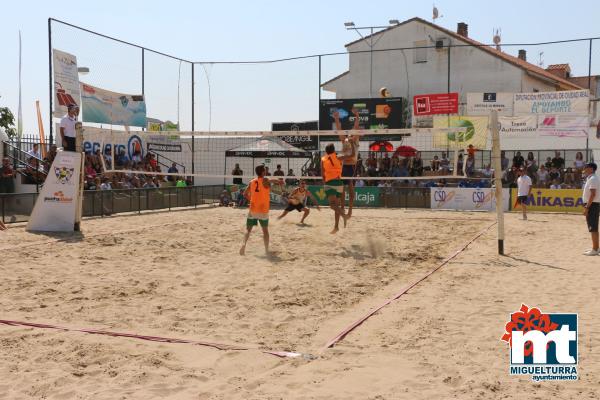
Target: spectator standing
[
  {"x": 579, "y": 163},
  {"x": 518, "y": 160},
  {"x": 237, "y": 171},
  {"x": 504, "y": 161},
  {"x": 279, "y": 172},
  {"x": 445, "y": 164},
  {"x": 291, "y": 181},
  {"x": 67, "y": 127},
  {"x": 558, "y": 161},
  {"x": 548, "y": 163},
  {"x": 7, "y": 177},
  {"x": 416, "y": 165},
  {"x": 435, "y": 163},
  {"x": 470, "y": 166},
  {"x": 524, "y": 186},
  {"x": 591, "y": 198},
  {"x": 531, "y": 166},
  {"x": 35, "y": 152}
]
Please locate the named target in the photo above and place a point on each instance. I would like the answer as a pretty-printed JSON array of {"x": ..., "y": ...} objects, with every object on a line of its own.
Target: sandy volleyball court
[{"x": 178, "y": 275}]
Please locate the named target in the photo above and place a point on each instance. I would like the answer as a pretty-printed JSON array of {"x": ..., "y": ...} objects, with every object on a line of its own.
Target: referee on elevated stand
[{"x": 591, "y": 198}]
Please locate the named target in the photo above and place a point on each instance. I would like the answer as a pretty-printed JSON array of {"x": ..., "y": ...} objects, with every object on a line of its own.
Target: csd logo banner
[{"x": 465, "y": 199}]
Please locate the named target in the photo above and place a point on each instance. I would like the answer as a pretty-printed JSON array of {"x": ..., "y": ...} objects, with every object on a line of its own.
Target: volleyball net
[{"x": 230, "y": 157}]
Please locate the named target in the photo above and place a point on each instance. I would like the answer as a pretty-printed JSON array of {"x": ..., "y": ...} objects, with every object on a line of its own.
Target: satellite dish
[
  {"x": 384, "y": 92},
  {"x": 436, "y": 13}
]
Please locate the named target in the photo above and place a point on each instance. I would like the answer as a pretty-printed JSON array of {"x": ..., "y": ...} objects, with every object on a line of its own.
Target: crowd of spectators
[{"x": 552, "y": 173}]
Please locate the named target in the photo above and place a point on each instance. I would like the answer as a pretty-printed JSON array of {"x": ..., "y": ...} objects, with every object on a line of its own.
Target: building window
[{"x": 420, "y": 55}]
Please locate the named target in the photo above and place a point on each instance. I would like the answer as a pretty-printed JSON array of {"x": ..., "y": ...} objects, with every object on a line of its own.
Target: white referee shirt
[
  {"x": 68, "y": 123},
  {"x": 523, "y": 184},
  {"x": 592, "y": 182}
]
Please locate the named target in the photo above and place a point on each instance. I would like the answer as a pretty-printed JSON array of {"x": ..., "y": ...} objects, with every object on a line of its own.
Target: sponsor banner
[
  {"x": 437, "y": 103},
  {"x": 105, "y": 107},
  {"x": 56, "y": 206},
  {"x": 466, "y": 199},
  {"x": 300, "y": 141},
  {"x": 380, "y": 113},
  {"x": 483, "y": 103},
  {"x": 66, "y": 82},
  {"x": 563, "y": 125},
  {"x": 542, "y": 345},
  {"x": 569, "y": 101},
  {"x": 363, "y": 197},
  {"x": 518, "y": 125},
  {"x": 476, "y": 131},
  {"x": 558, "y": 200},
  {"x": 131, "y": 142}
]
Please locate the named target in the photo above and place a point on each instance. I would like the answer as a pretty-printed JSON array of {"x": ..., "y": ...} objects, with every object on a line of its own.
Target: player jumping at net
[
  {"x": 258, "y": 194},
  {"x": 350, "y": 145},
  {"x": 296, "y": 201},
  {"x": 331, "y": 168}
]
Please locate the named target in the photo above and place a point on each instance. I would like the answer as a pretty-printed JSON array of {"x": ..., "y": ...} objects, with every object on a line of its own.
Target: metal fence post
[
  {"x": 50, "y": 78},
  {"x": 193, "y": 127}
]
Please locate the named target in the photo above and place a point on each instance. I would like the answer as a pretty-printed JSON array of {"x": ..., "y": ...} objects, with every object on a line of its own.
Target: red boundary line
[
  {"x": 362, "y": 319},
  {"x": 218, "y": 346}
]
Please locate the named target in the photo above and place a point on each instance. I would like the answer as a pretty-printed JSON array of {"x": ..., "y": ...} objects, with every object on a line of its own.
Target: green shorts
[
  {"x": 254, "y": 221},
  {"x": 334, "y": 187}
]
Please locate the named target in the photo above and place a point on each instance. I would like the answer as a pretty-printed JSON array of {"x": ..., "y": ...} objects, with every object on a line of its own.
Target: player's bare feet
[
  {"x": 243, "y": 250},
  {"x": 334, "y": 231},
  {"x": 349, "y": 213},
  {"x": 345, "y": 217}
]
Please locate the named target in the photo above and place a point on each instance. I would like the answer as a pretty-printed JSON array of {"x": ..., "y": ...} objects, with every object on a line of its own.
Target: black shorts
[
  {"x": 69, "y": 144},
  {"x": 348, "y": 171},
  {"x": 297, "y": 207},
  {"x": 592, "y": 217},
  {"x": 521, "y": 199}
]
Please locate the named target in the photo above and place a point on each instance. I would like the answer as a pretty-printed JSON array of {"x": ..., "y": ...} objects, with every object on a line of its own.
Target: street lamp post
[{"x": 351, "y": 26}]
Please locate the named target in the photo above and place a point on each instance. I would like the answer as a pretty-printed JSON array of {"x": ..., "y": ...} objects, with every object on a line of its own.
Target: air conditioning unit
[{"x": 441, "y": 43}]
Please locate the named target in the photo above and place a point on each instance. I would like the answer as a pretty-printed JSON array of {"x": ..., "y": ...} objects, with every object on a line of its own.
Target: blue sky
[{"x": 251, "y": 97}]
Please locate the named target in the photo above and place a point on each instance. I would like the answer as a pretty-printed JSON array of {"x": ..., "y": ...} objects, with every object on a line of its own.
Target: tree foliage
[{"x": 7, "y": 121}]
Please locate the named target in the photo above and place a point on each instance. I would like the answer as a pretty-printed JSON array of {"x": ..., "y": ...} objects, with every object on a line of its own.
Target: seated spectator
[
  {"x": 105, "y": 185},
  {"x": 555, "y": 184},
  {"x": 558, "y": 161},
  {"x": 149, "y": 183},
  {"x": 510, "y": 178},
  {"x": 416, "y": 165},
  {"x": 553, "y": 174},
  {"x": 115, "y": 183},
  {"x": 291, "y": 181},
  {"x": 487, "y": 171},
  {"x": 152, "y": 161},
  {"x": 189, "y": 181},
  {"x": 35, "y": 152},
  {"x": 435, "y": 163},
  {"x": 95, "y": 184},
  {"x": 34, "y": 170},
  {"x": 180, "y": 182},
  {"x": 267, "y": 173},
  {"x": 548, "y": 163},
  {"x": 7, "y": 177},
  {"x": 173, "y": 170},
  {"x": 569, "y": 177},
  {"x": 108, "y": 157},
  {"x": 51, "y": 155},
  {"x": 542, "y": 176},
  {"x": 387, "y": 163},
  {"x": 359, "y": 183},
  {"x": 225, "y": 199},
  {"x": 137, "y": 156},
  {"x": 518, "y": 160},
  {"x": 122, "y": 159}
]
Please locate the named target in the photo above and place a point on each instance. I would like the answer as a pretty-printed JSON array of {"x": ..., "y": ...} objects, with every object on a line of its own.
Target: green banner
[{"x": 363, "y": 196}]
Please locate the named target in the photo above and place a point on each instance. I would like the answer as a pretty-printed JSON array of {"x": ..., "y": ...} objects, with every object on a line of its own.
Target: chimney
[
  {"x": 462, "y": 29},
  {"x": 523, "y": 55}
]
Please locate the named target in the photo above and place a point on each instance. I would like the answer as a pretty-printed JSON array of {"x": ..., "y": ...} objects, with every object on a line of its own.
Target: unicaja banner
[
  {"x": 569, "y": 101},
  {"x": 106, "y": 107},
  {"x": 66, "y": 82}
]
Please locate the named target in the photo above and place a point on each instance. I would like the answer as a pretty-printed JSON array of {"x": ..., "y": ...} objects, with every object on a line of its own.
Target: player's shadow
[
  {"x": 62, "y": 237},
  {"x": 523, "y": 260},
  {"x": 272, "y": 257},
  {"x": 304, "y": 225}
]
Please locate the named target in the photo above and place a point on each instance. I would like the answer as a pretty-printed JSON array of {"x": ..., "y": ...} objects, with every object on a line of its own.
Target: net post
[
  {"x": 79, "y": 149},
  {"x": 50, "y": 82},
  {"x": 497, "y": 178}
]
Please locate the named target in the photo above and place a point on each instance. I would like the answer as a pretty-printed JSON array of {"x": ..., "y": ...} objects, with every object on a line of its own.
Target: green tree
[{"x": 7, "y": 121}]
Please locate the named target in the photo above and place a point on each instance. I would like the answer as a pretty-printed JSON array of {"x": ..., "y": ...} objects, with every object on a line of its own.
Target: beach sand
[{"x": 178, "y": 275}]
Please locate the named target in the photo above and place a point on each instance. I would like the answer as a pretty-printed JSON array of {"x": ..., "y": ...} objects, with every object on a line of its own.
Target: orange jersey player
[{"x": 258, "y": 194}]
